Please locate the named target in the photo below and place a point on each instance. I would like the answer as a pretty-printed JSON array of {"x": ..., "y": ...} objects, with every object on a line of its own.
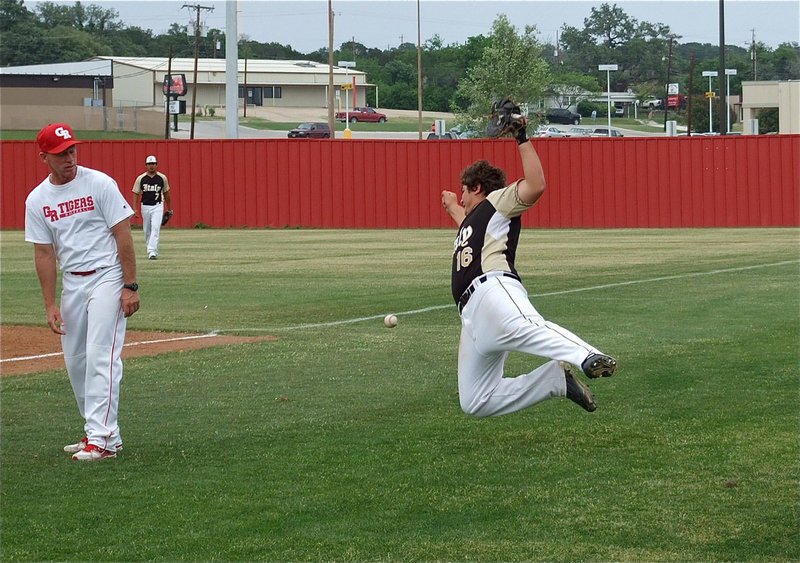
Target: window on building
[{"x": 272, "y": 92}]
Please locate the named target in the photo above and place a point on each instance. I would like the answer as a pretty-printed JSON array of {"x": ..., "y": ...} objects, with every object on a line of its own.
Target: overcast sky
[{"x": 303, "y": 24}]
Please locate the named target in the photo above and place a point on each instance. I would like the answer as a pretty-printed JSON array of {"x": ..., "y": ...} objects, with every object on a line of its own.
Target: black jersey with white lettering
[
  {"x": 487, "y": 239},
  {"x": 152, "y": 188}
]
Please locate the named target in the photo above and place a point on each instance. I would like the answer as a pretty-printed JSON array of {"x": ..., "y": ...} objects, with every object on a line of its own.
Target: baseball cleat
[
  {"x": 75, "y": 448},
  {"x": 577, "y": 391},
  {"x": 599, "y": 365},
  {"x": 93, "y": 453}
]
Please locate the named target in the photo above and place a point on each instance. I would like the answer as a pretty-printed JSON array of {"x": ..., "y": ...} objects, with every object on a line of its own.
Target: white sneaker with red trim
[
  {"x": 93, "y": 453},
  {"x": 75, "y": 448}
]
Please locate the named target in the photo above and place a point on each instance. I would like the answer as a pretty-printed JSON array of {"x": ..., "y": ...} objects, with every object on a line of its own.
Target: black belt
[{"x": 464, "y": 299}]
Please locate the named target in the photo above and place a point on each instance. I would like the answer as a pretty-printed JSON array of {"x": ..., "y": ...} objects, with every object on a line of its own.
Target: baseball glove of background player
[
  {"x": 166, "y": 217},
  {"x": 506, "y": 119}
]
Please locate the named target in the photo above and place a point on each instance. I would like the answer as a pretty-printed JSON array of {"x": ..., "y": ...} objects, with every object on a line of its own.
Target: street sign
[
  {"x": 346, "y": 86},
  {"x": 711, "y": 94},
  {"x": 174, "y": 85},
  {"x": 176, "y": 107},
  {"x": 672, "y": 88}
]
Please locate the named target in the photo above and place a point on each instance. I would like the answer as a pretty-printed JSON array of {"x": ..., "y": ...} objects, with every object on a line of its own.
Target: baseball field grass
[{"x": 343, "y": 440}]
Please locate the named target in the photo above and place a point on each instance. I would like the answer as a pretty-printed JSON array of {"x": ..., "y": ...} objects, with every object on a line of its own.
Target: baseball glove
[
  {"x": 166, "y": 217},
  {"x": 506, "y": 119}
]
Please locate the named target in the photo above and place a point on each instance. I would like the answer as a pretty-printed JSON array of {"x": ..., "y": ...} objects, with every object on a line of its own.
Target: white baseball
[{"x": 390, "y": 321}]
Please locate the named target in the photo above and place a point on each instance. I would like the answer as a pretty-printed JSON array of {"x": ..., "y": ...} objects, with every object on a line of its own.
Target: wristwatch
[{"x": 132, "y": 286}]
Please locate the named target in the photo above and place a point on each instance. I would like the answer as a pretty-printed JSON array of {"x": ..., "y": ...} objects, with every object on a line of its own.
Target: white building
[
  {"x": 784, "y": 95},
  {"x": 139, "y": 81}
]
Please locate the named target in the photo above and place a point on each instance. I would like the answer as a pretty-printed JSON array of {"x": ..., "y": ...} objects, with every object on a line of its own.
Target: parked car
[
  {"x": 311, "y": 131},
  {"x": 651, "y": 103},
  {"x": 603, "y": 132},
  {"x": 465, "y": 132},
  {"x": 545, "y": 131},
  {"x": 580, "y": 132},
  {"x": 365, "y": 114},
  {"x": 449, "y": 135},
  {"x": 562, "y": 115}
]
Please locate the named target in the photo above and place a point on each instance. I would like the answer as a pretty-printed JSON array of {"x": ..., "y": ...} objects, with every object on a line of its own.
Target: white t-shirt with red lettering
[{"x": 76, "y": 218}]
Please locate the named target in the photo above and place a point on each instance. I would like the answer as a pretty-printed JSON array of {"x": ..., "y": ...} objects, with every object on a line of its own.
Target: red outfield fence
[{"x": 736, "y": 181}]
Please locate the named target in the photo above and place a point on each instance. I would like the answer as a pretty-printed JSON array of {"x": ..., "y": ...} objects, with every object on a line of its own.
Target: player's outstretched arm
[
  {"x": 532, "y": 187},
  {"x": 450, "y": 204}
]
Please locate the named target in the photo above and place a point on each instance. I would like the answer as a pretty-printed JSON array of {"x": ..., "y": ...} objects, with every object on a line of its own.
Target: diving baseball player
[
  {"x": 77, "y": 218},
  {"x": 151, "y": 188},
  {"x": 497, "y": 316}
]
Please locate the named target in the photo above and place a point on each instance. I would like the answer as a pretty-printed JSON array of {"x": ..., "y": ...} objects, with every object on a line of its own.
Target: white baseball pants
[
  {"x": 498, "y": 319},
  {"x": 151, "y": 223},
  {"x": 95, "y": 333}
]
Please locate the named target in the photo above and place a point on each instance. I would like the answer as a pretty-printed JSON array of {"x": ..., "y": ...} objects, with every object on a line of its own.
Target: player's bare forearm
[
  {"x": 450, "y": 204},
  {"x": 44, "y": 258},
  {"x": 533, "y": 186},
  {"x": 127, "y": 258},
  {"x": 136, "y": 199},
  {"x": 168, "y": 201},
  {"x": 125, "y": 250}
]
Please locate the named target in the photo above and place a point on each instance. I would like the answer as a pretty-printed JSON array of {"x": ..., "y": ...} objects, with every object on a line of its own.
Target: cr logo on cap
[{"x": 63, "y": 133}]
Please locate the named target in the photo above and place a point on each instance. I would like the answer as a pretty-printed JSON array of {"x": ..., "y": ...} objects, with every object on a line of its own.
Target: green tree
[
  {"x": 20, "y": 33},
  {"x": 610, "y": 36},
  {"x": 511, "y": 65}
]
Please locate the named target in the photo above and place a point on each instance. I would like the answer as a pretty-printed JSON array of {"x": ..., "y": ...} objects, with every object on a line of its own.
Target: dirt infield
[{"x": 25, "y": 349}]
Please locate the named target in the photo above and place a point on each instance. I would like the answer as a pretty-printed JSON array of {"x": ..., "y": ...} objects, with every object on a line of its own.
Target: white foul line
[
  {"x": 426, "y": 309},
  {"x": 549, "y": 294},
  {"x": 160, "y": 341}
]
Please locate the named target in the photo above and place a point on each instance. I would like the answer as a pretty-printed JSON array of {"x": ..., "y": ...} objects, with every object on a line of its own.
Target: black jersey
[
  {"x": 152, "y": 188},
  {"x": 487, "y": 239}
]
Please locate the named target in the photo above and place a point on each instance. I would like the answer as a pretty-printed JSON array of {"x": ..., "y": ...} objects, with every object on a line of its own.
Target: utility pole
[
  {"x": 689, "y": 98},
  {"x": 723, "y": 93},
  {"x": 753, "y": 52},
  {"x": 196, "y": 8},
  {"x": 245, "y": 86},
  {"x": 169, "y": 87}
]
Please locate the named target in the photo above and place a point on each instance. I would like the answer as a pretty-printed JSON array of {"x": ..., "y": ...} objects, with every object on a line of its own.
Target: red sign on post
[{"x": 174, "y": 85}]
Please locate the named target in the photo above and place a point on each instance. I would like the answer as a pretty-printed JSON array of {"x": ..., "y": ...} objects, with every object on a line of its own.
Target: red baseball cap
[{"x": 56, "y": 138}]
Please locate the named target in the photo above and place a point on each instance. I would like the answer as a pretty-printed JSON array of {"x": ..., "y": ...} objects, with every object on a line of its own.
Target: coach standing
[
  {"x": 151, "y": 188},
  {"x": 78, "y": 218}
]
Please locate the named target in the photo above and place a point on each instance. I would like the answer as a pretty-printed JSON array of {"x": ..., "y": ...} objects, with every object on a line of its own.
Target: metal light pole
[
  {"x": 347, "y": 65},
  {"x": 419, "y": 75},
  {"x": 728, "y": 73},
  {"x": 709, "y": 95},
  {"x": 331, "y": 116},
  {"x": 608, "y": 69}
]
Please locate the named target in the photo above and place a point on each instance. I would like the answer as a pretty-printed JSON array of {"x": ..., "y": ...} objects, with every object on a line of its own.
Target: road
[{"x": 217, "y": 130}]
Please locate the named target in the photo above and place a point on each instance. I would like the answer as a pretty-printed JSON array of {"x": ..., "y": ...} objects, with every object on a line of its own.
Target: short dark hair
[{"x": 481, "y": 172}]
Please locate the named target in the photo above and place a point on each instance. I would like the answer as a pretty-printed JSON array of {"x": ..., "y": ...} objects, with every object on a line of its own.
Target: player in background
[
  {"x": 78, "y": 220},
  {"x": 151, "y": 188},
  {"x": 497, "y": 316}
]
